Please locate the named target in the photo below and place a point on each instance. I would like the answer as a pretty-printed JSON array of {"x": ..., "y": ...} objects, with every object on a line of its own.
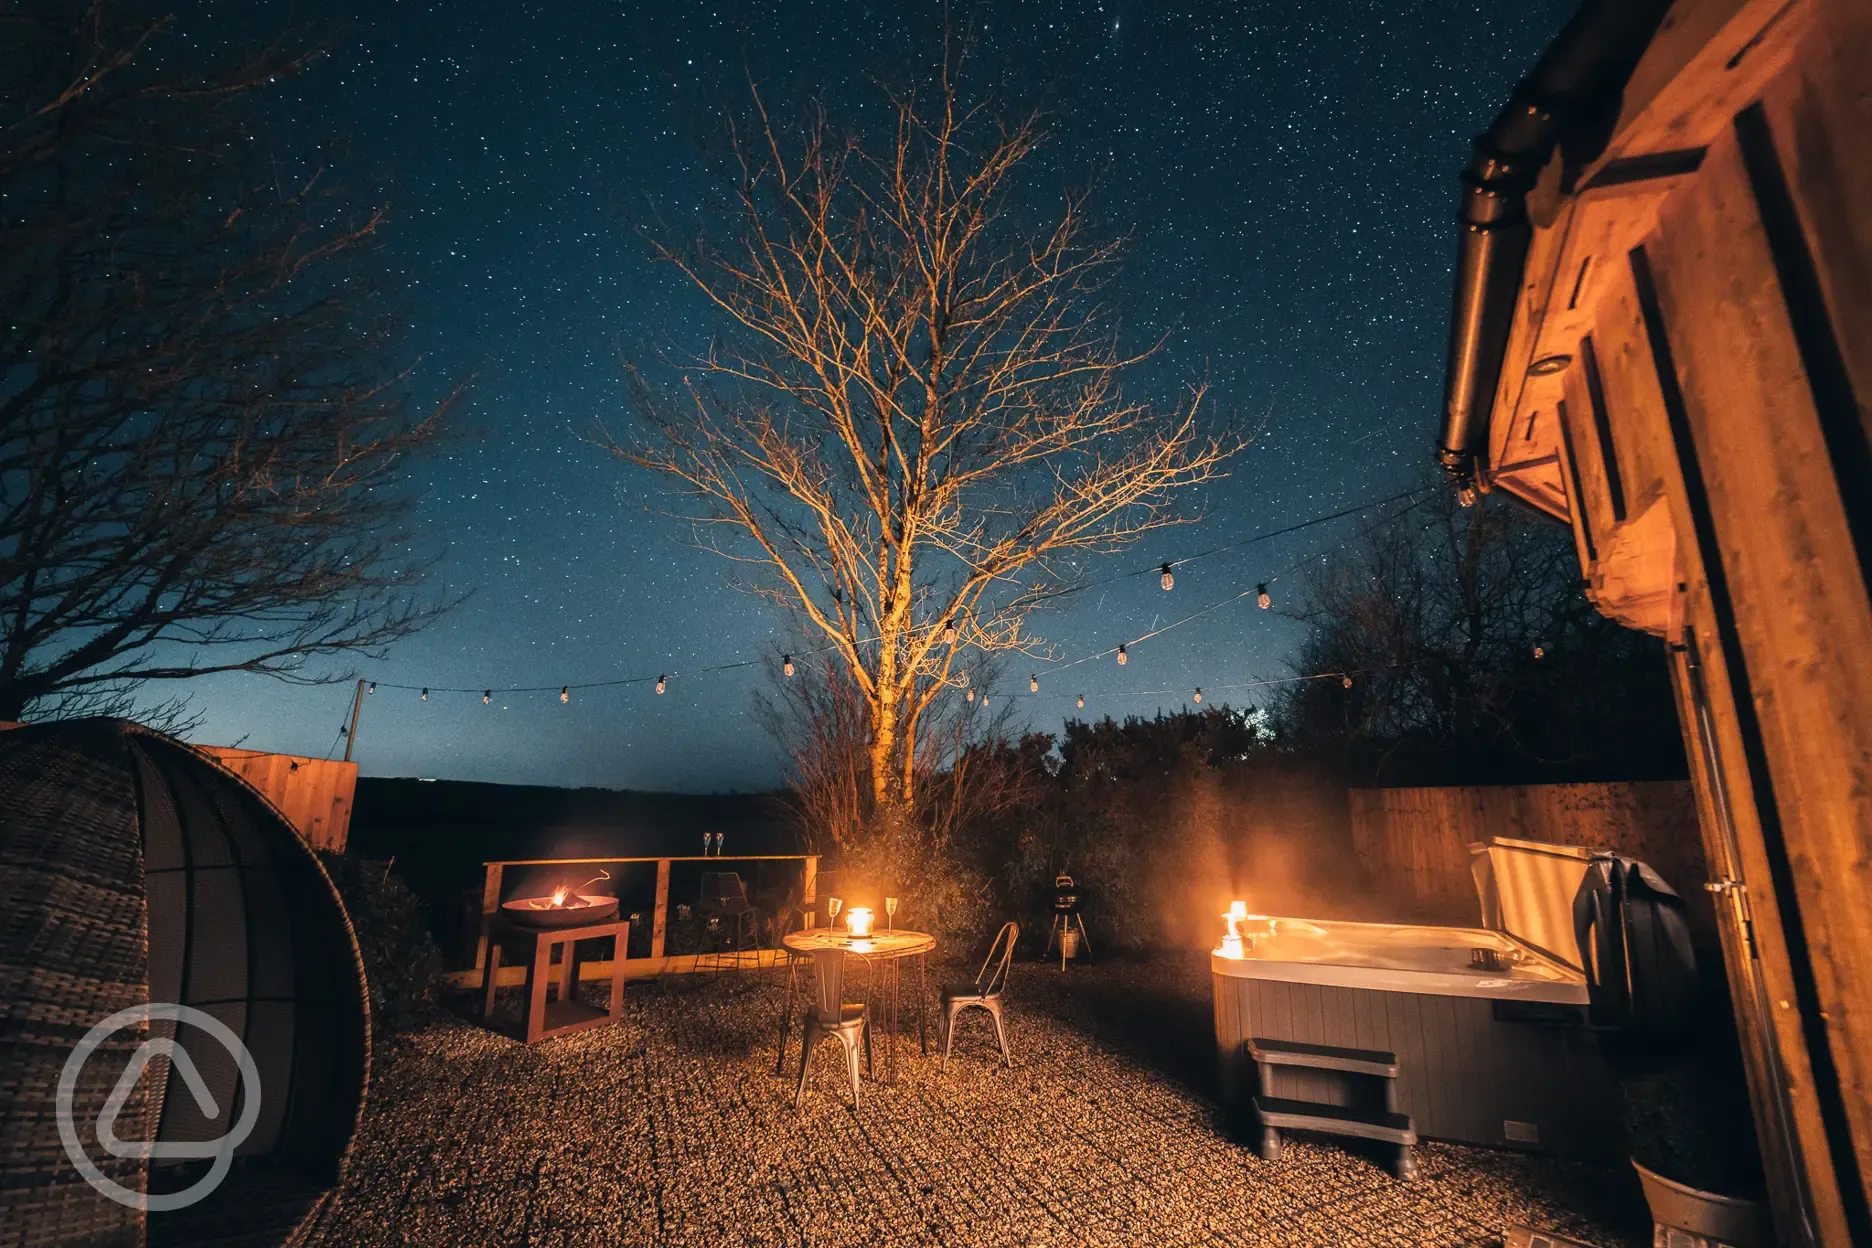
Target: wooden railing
[{"x": 657, "y": 963}]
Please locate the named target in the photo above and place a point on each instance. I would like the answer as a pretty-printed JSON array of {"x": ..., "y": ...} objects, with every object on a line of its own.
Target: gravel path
[{"x": 671, "y": 1128}]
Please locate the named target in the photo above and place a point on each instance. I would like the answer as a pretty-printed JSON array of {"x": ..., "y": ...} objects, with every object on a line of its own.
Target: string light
[
  {"x": 371, "y": 688},
  {"x": 971, "y": 695},
  {"x": 1198, "y": 693},
  {"x": 661, "y": 683},
  {"x": 949, "y": 633},
  {"x": 1540, "y": 651},
  {"x": 487, "y": 696},
  {"x": 1123, "y": 658},
  {"x": 1167, "y": 580},
  {"x": 1082, "y": 701},
  {"x": 565, "y": 694},
  {"x": 984, "y": 701},
  {"x": 1033, "y": 684},
  {"x": 786, "y": 666},
  {"x": 1262, "y": 599},
  {"x": 425, "y": 696},
  {"x": 1346, "y": 681}
]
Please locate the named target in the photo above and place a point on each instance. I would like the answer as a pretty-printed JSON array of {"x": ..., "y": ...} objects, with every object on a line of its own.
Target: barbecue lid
[{"x": 1526, "y": 889}]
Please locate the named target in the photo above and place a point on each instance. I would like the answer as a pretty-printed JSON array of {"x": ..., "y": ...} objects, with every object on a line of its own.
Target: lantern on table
[{"x": 858, "y": 920}]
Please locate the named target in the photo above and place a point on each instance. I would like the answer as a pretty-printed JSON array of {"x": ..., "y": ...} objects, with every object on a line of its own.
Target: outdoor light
[
  {"x": 1198, "y": 697},
  {"x": 948, "y": 632},
  {"x": 565, "y": 693},
  {"x": 1123, "y": 658},
  {"x": 1262, "y": 598},
  {"x": 1346, "y": 681},
  {"x": 1168, "y": 581},
  {"x": 425, "y": 696},
  {"x": 971, "y": 695},
  {"x": 660, "y": 683},
  {"x": 487, "y": 696},
  {"x": 1033, "y": 684},
  {"x": 1082, "y": 701},
  {"x": 786, "y": 666},
  {"x": 372, "y": 688},
  {"x": 1540, "y": 651},
  {"x": 858, "y": 920}
]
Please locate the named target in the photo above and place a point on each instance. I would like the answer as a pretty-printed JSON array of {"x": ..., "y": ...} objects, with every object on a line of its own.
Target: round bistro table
[{"x": 888, "y": 948}]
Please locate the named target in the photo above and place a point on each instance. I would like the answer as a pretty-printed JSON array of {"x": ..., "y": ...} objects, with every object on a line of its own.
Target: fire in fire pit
[{"x": 565, "y": 907}]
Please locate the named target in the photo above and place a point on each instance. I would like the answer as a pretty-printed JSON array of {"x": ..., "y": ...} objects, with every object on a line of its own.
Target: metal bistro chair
[
  {"x": 984, "y": 993},
  {"x": 724, "y": 901},
  {"x": 830, "y": 1015}
]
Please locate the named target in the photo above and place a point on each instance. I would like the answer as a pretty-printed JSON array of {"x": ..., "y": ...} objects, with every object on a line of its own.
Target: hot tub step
[
  {"x": 1323, "y": 1057},
  {"x": 1274, "y": 1114},
  {"x": 1366, "y": 1124}
]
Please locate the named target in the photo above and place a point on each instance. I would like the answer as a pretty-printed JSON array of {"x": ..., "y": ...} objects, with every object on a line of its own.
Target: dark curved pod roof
[{"x": 134, "y": 869}]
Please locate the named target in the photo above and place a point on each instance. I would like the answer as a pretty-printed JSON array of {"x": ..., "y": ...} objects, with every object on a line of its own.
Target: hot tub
[{"x": 1488, "y": 1029}]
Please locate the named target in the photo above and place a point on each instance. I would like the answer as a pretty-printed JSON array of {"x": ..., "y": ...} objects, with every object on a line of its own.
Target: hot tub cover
[{"x": 134, "y": 869}]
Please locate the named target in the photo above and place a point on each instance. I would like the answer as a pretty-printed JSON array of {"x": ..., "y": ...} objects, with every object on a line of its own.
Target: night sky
[{"x": 1286, "y": 172}]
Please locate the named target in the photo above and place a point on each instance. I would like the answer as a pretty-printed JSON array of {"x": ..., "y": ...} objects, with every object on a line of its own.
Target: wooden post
[
  {"x": 490, "y": 906},
  {"x": 809, "y": 889},
  {"x": 660, "y": 920}
]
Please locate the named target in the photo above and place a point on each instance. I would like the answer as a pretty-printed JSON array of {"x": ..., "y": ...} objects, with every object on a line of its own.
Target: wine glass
[
  {"x": 890, "y": 910},
  {"x": 832, "y": 907}
]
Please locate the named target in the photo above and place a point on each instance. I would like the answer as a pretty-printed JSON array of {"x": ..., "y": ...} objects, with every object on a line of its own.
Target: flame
[
  {"x": 559, "y": 896},
  {"x": 858, "y": 920}
]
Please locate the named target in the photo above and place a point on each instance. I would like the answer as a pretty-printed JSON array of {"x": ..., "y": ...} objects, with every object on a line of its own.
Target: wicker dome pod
[{"x": 135, "y": 870}]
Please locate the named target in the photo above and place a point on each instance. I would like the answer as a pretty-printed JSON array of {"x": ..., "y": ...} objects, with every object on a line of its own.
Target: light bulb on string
[
  {"x": 1082, "y": 701},
  {"x": 565, "y": 694},
  {"x": 661, "y": 683},
  {"x": 984, "y": 701},
  {"x": 1262, "y": 598},
  {"x": 425, "y": 694},
  {"x": 1033, "y": 684},
  {"x": 949, "y": 633},
  {"x": 371, "y": 688},
  {"x": 1540, "y": 651},
  {"x": 1123, "y": 658},
  {"x": 971, "y": 695},
  {"x": 786, "y": 665},
  {"x": 487, "y": 696},
  {"x": 1198, "y": 693},
  {"x": 1167, "y": 580},
  {"x": 1346, "y": 681}
]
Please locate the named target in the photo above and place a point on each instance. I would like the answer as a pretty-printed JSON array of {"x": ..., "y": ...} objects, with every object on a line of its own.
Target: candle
[{"x": 858, "y": 920}]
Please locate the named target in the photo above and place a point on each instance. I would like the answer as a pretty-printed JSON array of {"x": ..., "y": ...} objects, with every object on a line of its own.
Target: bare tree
[
  {"x": 913, "y": 417},
  {"x": 202, "y": 437},
  {"x": 1473, "y": 654}
]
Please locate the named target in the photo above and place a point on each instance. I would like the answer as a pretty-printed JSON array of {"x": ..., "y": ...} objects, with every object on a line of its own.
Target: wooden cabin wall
[
  {"x": 1732, "y": 338},
  {"x": 314, "y": 794},
  {"x": 1420, "y": 837}
]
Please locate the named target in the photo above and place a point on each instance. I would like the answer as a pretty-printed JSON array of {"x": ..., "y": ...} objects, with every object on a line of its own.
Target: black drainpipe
[{"x": 1571, "y": 97}]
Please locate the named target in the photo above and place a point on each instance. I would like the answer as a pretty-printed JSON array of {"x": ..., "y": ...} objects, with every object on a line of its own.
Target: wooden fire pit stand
[{"x": 567, "y": 1013}]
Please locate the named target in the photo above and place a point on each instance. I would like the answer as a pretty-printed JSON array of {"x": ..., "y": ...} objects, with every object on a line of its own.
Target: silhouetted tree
[
  {"x": 1474, "y": 656},
  {"x": 202, "y": 434}
]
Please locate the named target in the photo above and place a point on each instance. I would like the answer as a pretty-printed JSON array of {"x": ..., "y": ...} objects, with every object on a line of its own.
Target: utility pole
[{"x": 357, "y": 706}]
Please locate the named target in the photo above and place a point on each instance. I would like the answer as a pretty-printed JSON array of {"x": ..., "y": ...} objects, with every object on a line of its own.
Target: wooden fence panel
[
  {"x": 313, "y": 793},
  {"x": 1419, "y": 838}
]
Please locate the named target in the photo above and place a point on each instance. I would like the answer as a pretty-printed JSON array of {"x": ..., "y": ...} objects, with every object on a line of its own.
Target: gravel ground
[{"x": 671, "y": 1128}]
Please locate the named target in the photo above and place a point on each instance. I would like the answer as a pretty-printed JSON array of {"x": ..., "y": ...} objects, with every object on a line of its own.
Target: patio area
[{"x": 672, "y": 1128}]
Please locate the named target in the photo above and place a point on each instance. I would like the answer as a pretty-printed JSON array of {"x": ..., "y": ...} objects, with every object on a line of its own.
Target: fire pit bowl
[{"x": 578, "y": 909}]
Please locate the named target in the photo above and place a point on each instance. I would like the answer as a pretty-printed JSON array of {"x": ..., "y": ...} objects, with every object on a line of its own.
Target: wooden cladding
[
  {"x": 1418, "y": 839},
  {"x": 313, "y": 793}
]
